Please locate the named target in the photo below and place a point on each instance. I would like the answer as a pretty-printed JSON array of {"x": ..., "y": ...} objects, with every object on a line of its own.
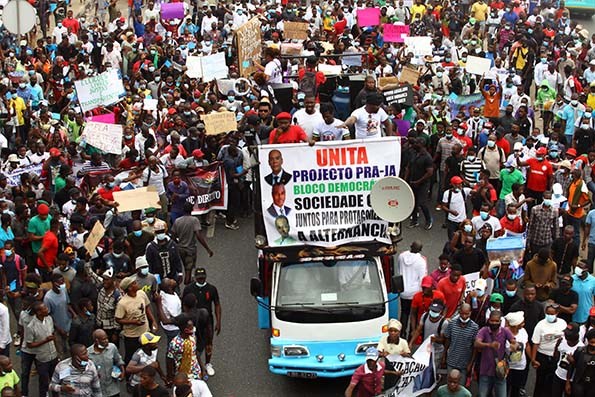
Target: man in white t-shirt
[
  {"x": 329, "y": 129},
  {"x": 368, "y": 119},
  {"x": 453, "y": 202},
  {"x": 308, "y": 117}
]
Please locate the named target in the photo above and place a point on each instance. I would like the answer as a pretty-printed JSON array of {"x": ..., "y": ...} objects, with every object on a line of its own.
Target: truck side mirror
[
  {"x": 397, "y": 285},
  {"x": 255, "y": 287}
]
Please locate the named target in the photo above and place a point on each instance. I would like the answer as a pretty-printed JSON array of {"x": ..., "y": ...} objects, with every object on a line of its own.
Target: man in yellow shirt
[
  {"x": 591, "y": 96},
  {"x": 419, "y": 8},
  {"x": 17, "y": 109},
  {"x": 479, "y": 11}
]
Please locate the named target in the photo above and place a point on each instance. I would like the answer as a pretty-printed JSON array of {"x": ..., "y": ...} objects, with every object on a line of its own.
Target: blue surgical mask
[
  {"x": 246, "y": 108},
  {"x": 434, "y": 314},
  {"x": 491, "y": 143},
  {"x": 88, "y": 313},
  {"x": 138, "y": 233},
  {"x": 161, "y": 236},
  {"x": 62, "y": 287},
  {"x": 578, "y": 271},
  {"x": 231, "y": 98},
  {"x": 117, "y": 255},
  {"x": 7, "y": 252},
  {"x": 144, "y": 271},
  {"x": 111, "y": 185},
  {"x": 550, "y": 318},
  {"x": 547, "y": 202},
  {"x": 553, "y": 155},
  {"x": 480, "y": 293},
  {"x": 484, "y": 215},
  {"x": 468, "y": 228},
  {"x": 511, "y": 293},
  {"x": 84, "y": 363}
]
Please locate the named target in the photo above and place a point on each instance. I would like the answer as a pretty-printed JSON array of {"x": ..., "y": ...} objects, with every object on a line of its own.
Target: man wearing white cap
[{"x": 367, "y": 377}]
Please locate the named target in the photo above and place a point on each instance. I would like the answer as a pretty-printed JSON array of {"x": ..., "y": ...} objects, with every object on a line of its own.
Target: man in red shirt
[
  {"x": 319, "y": 77},
  {"x": 287, "y": 133},
  {"x": 539, "y": 174},
  {"x": 367, "y": 377},
  {"x": 511, "y": 221},
  {"x": 46, "y": 256},
  {"x": 106, "y": 192},
  {"x": 421, "y": 300},
  {"x": 453, "y": 288},
  {"x": 71, "y": 23}
]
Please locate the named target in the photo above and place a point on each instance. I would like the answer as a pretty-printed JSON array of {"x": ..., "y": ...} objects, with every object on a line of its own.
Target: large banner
[
  {"x": 208, "y": 187},
  {"x": 101, "y": 90},
  {"x": 419, "y": 374},
  {"x": 319, "y": 195},
  {"x": 14, "y": 178},
  {"x": 457, "y": 102}
]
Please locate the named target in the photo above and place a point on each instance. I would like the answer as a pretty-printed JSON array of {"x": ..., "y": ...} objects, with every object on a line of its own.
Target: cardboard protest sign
[
  {"x": 218, "y": 122},
  {"x": 249, "y": 46},
  {"x": 383, "y": 82},
  {"x": 296, "y": 30},
  {"x": 401, "y": 95},
  {"x": 172, "y": 10},
  {"x": 95, "y": 236},
  {"x": 291, "y": 49},
  {"x": 409, "y": 75},
  {"x": 103, "y": 136},
  {"x": 101, "y": 90},
  {"x": 368, "y": 17},
  {"x": 137, "y": 199},
  {"x": 326, "y": 211},
  {"x": 150, "y": 104},
  {"x": 477, "y": 65},
  {"x": 395, "y": 33}
]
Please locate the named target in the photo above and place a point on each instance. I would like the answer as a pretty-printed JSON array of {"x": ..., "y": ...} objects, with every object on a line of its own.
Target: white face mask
[{"x": 512, "y": 217}]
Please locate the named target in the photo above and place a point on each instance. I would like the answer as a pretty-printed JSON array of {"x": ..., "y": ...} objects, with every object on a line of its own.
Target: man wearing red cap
[
  {"x": 453, "y": 203},
  {"x": 423, "y": 299},
  {"x": 539, "y": 173},
  {"x": 285, "y": 132},
  {"x": 38, "y": 226}
]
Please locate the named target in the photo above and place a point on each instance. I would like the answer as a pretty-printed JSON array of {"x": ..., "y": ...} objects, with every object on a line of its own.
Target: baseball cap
[
  {"x": 372, "y": 354},
  {"x": 201, "y": 271},
  {"x": 126, "y": 282},
  {"x": 496, "y": 298},
  {"x": 426, "y": 282},
  {"x": 283, "y": 116},
  {"x": 571, "y": 151},
  {"x": 456, "y": 180},
  {"x": 541, "y": 151},
  {"x": 197, "y": 153},
  {"x": 55, "y": 152},
  {"x": 150, "y": 210},
  {"x": 43, "y": 209},
  {"x": 141, "y": 262},
  {"x": 436, "y": 307},
  {"x": 481, "y": 284},
  {"x": 148, "y": 337}
]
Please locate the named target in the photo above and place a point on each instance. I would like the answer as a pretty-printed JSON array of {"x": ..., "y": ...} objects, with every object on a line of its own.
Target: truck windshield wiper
[{"x": 291, "y": 306}]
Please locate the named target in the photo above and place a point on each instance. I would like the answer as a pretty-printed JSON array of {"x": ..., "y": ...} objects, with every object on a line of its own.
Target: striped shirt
[
  {"x": 85, "y": 382},
  {"x": 89, "y": 167},
  {"x": 470, "y": 170},
  {"x": 461, "y": 340}
]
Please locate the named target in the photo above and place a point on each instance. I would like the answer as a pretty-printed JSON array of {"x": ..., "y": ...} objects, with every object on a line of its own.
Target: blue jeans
[{"x": 487, "y": 383}]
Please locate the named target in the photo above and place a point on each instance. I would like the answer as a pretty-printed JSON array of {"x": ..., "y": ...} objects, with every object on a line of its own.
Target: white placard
[
  {"x": 330, "y": 69},
  {"x": 101, "y": 90},
  {"x": 477, "y": 65},
  {"x": 150, "y": 104},
  {"x": 419, "y": 45},
  {"x": 214, "y": 67},
  {"x": 106, "y": 137},
  {"x": 194, "y": 67}
]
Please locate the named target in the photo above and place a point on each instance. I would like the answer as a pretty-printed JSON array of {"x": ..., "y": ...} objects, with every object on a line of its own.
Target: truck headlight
[
  {"x": 275, "y": 351},
  {"x": 362, "y": 347},
  {"x": 295, "y": 351}
]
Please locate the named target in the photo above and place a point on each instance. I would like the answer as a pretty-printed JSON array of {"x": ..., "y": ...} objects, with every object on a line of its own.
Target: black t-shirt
[
  {"x": 159, "y": 391},
  {"x": 418, "y": 165},
  {"x": 533, "y": 314},
  {"x": 570, "y": 298},
  {"x": 563, "y": 254},
  {"x": 508, "y": 302},
  {"x": 453, "y": 166},
  {"x": 584, "y": 140},
  {"x": 206, "y": 296},
  {"x": 471, "y": 262}
]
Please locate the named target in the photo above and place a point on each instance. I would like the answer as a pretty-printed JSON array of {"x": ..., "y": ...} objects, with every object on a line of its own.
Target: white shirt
[
  {"x": 172, "y": 307},
  {"x": 565, "y": 350},
  {"x": 478, "y": 224},
  {"x": 5, "y": 338},
  {"x": 456, "y": 204},
  {"x": 155, "y": 178},
  {"x": 307, "y": 121},
  {"x": 274, "y": 71},
  {"x": 547, "y": 335},
  {"x": 368, "y": 125},
  {"x": 205, "y": 26},
  {"x": 330, "y": 132},
  {"x": 521, "y": 337},
  {"x": 413, "y": 267},
  {"x": 58, "y": 32},
  {"x": 199, "y": 388}
]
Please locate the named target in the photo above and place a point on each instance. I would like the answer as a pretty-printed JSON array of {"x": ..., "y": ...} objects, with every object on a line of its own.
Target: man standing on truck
[{"x": 367, "y": 377}]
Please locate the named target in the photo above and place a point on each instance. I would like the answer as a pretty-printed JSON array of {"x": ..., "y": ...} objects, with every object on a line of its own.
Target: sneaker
[
  {"x": 233, "y": 226},
  {"x": 210, "y": 369},
  {"x": 429, "y": 225},
  {"x": 413, "y": 224},
  {"x": 16, "y": 340}
]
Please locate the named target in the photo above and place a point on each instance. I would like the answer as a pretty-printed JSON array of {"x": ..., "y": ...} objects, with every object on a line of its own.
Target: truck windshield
[{"x": 344, "y": 290}]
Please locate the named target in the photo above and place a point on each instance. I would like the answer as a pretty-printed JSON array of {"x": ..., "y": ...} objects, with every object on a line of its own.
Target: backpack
[
  {"x": 423, "y": 323},
  {"x": 307, "y": 84},
  {"x": 20, "y": 270},
  {"x": 450, "y": 196},
  {"x": 483, "y": 153}
]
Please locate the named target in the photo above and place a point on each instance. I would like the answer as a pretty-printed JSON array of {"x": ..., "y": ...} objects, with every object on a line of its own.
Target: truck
[{"x": 326, "y": 284}]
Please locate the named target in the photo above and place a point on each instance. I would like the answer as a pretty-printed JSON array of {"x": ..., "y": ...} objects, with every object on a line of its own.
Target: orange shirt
[
  {"x": 452, "y": 292},
  {"x": 492, "y": 104},
  {"x": 583, "y": 199}
]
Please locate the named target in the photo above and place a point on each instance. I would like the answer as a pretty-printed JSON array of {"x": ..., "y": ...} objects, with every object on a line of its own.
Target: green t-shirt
[
  {"x": 38, "y": 227},
  {"x": 73, "y": 128},
  {"x": 59, "y": 184},
  {"x": 9, "y": 380},
  {"x": 444, "y": 392},
  {"x": 508, "y": 179}
]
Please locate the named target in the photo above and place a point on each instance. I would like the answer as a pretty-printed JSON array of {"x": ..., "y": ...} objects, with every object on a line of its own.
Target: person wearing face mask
[
  {"x": 479, "y": 301},
  {"x": 511, "y": 221},
  {"x": 509, "y": 293},
  {"x": 565, "y": 250},
  {"x": 454, "y": 203},
  {"x": 588, "y": 326},
  {"x": 545, "y": 338},
  {"x": 106, "y": 358},
  {"x": 578, "y": 198},
  {"x": 541, "y": 270},
  {"x": 584, "y": 285},
  {"x": 164, "y": 258},
  {"x": 517, "y": 377},
  {"x": 459, "y": 339},
  {"x": 539, "y": 173},
  {"x": 63, "y": 268},
  {"x": 566, "y": 298},
  {"x": 61, "y": 311},
  {"x": 145, "y": 280},
  {"x": 432, "y": 322},
  {"x": 151, "y": 222},
  {"x": 493, "y": 341},
  {"x": 581, "y": 372},
  {"x": 76, "y": 374},
  {"x": 207, "y": 297},
  {"x": 137, "y": 240},
  {"x": 442, "y": 271},
  {"x": 83, "y": 325}
]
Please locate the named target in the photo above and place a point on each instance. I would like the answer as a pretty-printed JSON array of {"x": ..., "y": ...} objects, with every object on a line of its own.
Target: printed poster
[
  {"x": 319, "y": 195},
  {"x": 208, "y": 187}
]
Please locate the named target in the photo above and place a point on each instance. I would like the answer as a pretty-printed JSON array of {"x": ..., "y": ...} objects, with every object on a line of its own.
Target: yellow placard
[{"x": 137, "y": 199}]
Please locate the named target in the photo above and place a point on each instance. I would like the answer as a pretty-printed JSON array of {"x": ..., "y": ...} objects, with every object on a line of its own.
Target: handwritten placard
[
  {"x": 291, "y": 49},
  {"x": 216, "y": 123},
  {"x": 401, "y": 95},
  {"x": 419, "y": 45},
  {"x": 409, "y": 75},
  {"x": 386, "y": 83},
  {"x": 395, "y": 33},
  {"x": 95, "y": 236},
  {"x": 137, "y": 199},
  {"x": 101, "y": 90},
  {"x": 103, "y": 136},
  {"x": 249, "y": 46},
  {"x": 296, "y": 30},
  {"x": 477, "y": 65},
  {"x": 368, "y": 17}
]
